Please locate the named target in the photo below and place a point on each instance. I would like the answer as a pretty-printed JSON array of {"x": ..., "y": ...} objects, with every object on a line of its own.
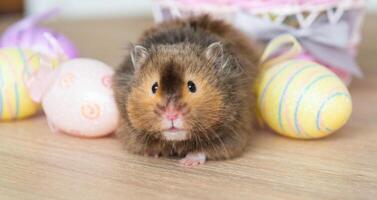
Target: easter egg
[
  {"x": 29, "y": 34},
  {"x": 80, "y": 100},
  {"x": 302, "y": 99},
  {"x": 345, "y": 76},
  {"x": 15, "y": 65}
]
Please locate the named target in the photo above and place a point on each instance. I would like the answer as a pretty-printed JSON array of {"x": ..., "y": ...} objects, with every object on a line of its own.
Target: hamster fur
[{"x": 186, "y": 90}]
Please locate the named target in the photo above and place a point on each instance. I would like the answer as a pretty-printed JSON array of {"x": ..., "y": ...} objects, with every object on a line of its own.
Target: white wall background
[
  {"x": 372, "y": 5},
  {"x": 92, "y": 8},
  {"x": 107, "y": 8}
]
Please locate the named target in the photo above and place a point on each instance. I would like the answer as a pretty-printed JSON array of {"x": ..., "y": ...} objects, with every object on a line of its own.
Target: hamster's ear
[
  {"x": 138, "y": 55},
  {"x": 214, "y": 50},
  {"x": 215, "y": 53}
]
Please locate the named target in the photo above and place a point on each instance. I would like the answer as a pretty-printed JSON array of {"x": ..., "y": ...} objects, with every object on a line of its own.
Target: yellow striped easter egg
[
  {"x": 302, "y": 99},
  {"x": 15, "y": 65}
]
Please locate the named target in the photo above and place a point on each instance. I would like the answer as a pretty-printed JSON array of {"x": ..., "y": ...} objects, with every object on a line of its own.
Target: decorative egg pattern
[
  {"x": 80, "y": 102},
  {"x": 15, "y": 65},
  {"x": 91, "y": 111},
  {"x": 302, "y": 99},
  {"x": 67, "y": 80},
  {"x": 107, "y": 80}
]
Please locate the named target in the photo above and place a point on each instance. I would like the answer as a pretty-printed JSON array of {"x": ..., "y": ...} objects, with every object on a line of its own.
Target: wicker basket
[{"x": 296, "y": 15}]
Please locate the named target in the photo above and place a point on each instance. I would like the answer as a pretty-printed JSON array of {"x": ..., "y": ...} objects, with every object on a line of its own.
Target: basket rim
[{"x": 277, "y": 9}]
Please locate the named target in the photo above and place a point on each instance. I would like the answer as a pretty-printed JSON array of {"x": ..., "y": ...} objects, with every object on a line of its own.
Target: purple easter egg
[{"x": 27, "y": 34}]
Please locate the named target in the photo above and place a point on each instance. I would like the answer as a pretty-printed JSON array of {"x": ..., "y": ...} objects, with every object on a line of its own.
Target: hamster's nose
[
  {"x": 171, "y": 113},
  {"x": 171, "y": 116}
]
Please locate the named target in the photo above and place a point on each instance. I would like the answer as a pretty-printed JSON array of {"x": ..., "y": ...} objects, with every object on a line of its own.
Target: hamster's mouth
[
  {"x": 174, "y": 129},
  {"x": 174, "y": 134}
]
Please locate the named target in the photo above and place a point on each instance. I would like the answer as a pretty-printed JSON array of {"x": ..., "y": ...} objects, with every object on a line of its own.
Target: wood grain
[{"x": 37, "y": 164}]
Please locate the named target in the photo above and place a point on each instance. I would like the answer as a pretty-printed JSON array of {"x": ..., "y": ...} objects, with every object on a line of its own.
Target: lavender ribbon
[{"x": 326, "y": 42}]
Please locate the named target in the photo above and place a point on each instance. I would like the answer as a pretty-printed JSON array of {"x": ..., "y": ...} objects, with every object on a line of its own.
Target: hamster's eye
[
  {"x": 154, "y": 88},
  {"x": 191, "y": 86}
]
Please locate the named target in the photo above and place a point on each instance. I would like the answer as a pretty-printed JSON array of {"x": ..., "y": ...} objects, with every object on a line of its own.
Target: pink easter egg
[{"x": 80, "y": 100}]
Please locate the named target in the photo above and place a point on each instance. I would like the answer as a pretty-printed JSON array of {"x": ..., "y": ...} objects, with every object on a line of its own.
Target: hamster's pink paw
[{"x": 193, "y": 159}]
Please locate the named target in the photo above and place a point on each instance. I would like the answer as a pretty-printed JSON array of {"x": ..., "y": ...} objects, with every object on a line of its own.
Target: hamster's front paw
[{"x": 193, "y": 159}]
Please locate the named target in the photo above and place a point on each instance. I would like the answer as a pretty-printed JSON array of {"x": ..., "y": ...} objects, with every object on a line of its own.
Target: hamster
[{"x": 186, "y": 90}]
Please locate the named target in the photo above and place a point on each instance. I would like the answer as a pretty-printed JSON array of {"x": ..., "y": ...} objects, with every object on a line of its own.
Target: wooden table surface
[{"x": 37, "y": 164}]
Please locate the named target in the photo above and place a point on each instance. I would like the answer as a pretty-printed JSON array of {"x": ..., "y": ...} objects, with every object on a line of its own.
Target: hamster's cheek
[
  {"x": 141, "y": 111},
  {"x": 206, "y": 105}
]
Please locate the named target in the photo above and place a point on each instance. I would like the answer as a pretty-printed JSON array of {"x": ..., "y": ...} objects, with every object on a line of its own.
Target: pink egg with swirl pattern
[{"x": 77, "y": 97}]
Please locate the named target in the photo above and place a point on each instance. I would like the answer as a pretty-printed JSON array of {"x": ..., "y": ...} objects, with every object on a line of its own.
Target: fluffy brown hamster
[{"x": 186, "y": 89}]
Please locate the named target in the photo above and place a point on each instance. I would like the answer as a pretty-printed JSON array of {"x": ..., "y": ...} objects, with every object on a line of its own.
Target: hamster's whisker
[
  {"x": 160, "y": 107},
  {"x": 233, "y": 131},
  {"x": 197, "y": 140},
  {"x": 186, "y": 111},
  {"x": 184, "y": 105},
  {"x": 220, "y": 140},
  {"x": 204, "y": 131},
  {"x": 157, "y": 112}
]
